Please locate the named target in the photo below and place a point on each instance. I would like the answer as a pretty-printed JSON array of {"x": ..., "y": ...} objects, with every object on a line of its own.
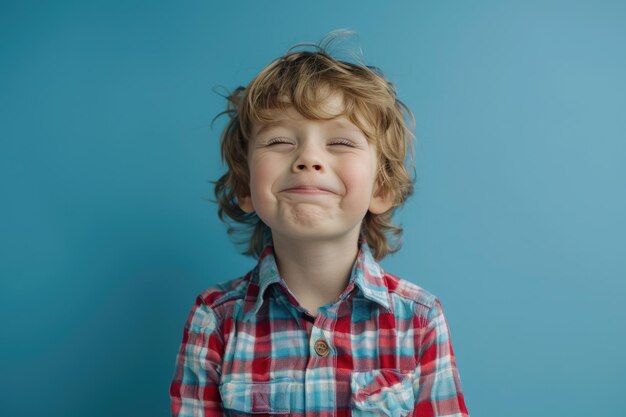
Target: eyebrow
[
  {"x": 340, "y": 123},
  {"x": 344, "y": 124},
  {"x": 269, "y": 125}
]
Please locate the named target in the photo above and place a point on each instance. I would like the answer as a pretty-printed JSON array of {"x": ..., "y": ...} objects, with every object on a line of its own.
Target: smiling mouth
[{"x": 307, "y": 190}]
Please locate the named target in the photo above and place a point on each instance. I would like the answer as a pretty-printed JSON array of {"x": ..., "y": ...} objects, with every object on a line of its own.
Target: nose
[{"x": 308, "y": 159}]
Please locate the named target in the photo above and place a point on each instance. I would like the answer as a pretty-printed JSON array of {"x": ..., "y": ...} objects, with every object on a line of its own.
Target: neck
[{"x": 316, "y": 272}]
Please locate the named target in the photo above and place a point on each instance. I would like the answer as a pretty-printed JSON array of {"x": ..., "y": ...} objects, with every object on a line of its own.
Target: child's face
[{"x": 312, "y": 178}]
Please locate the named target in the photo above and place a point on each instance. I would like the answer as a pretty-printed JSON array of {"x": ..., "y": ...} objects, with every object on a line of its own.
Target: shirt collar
[{"x": 366, "y": 274}]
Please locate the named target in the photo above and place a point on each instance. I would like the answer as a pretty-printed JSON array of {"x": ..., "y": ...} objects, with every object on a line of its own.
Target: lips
[{"x": 308, "y": 189}]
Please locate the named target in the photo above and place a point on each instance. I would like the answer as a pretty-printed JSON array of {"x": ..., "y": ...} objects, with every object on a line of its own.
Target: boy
[{"x": 316, "y": 151}]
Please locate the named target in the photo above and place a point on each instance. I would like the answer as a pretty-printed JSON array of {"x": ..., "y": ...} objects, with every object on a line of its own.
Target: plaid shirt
[{"x": 383, "y": 348}]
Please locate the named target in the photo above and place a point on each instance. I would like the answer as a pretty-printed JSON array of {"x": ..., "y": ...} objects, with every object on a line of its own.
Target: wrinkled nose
[
  {"x": 308, "y": 160},
  {"x": 312, "y": 166}
]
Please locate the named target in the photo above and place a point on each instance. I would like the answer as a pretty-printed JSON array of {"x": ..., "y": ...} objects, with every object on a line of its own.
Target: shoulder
[
  {"x": 217, "y": 302},
  {"x": 405, "y": 295},
  {"x": 407, "y": 290},
  {"x": 224, "y": 292}
]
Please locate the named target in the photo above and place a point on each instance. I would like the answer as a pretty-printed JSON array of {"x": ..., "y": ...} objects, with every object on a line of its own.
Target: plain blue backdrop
[{"x": 108, "y": 232}]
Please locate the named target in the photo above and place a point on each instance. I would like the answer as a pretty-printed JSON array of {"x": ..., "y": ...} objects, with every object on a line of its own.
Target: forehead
[{"x": 330, "y": 113}]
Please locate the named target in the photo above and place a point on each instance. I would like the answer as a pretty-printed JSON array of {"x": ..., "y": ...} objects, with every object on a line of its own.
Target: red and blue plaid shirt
[{"x": 382, "y": 348}]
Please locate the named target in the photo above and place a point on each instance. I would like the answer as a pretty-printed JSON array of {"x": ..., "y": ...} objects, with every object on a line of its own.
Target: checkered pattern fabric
[{"x": 382, "y": 348}]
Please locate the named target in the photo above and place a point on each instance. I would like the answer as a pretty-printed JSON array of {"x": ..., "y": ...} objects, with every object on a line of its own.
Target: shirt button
[{"x": 321, "y": 347}]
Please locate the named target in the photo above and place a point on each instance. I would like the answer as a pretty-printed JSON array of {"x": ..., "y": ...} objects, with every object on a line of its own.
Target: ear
[
  {"x": 245, "y": 203},
  {"x": 381, "y": 200}
]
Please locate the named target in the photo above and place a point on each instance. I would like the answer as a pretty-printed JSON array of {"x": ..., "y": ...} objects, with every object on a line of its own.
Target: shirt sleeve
[
  {"x": 194, "y": 390},
  {"x": 437, "y": 385}
]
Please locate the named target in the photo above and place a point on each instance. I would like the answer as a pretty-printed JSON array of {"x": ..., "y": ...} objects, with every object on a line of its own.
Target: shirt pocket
[
  {"x": 282, "y": 397},
  {"x": 382, "y": 392}
]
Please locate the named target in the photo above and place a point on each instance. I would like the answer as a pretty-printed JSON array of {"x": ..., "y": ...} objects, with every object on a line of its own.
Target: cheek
[
  {"x": 359, "y": 174},
  {"x": 262, "y": 175}
]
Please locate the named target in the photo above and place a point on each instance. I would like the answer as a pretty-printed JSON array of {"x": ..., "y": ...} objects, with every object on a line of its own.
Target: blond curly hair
[{"x": 297, "y": 80}]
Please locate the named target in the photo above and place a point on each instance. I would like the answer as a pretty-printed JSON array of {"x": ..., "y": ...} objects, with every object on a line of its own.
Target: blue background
[{"x": 108, "y": 232}]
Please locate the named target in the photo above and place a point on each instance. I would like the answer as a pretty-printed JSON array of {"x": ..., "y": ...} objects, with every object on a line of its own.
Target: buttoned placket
[
  {"x": 320, "y": 365},
  {"x": 321, "y": 356}
]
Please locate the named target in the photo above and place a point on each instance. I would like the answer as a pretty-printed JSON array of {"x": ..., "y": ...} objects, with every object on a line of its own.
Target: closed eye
[
  {"x": 342, "y": 141},
  {"x": 276, "y": 141}
]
